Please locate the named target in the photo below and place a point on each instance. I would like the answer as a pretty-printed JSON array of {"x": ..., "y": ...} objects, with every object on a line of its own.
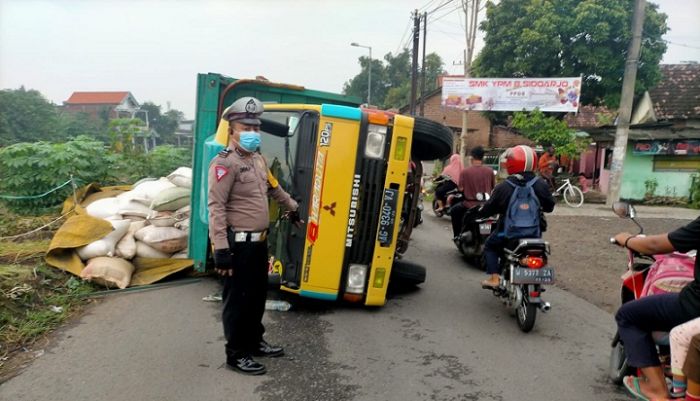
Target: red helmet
[{"x": 520, "y": 158}]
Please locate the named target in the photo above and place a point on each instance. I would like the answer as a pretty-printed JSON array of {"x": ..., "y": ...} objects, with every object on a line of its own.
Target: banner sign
[
  {"x": 667, "y": 147},
  {"x": 512, "y": 94}
]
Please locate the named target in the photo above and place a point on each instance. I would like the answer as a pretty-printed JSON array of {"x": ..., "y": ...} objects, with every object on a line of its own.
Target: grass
[{"x": 34, "y": 298}]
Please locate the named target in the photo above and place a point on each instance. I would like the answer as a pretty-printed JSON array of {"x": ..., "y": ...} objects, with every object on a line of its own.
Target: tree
[
  {"x": 164, "y": 124},
  {"x": 391, "y": 82},
  {"x": 548, "y": 38},
  {"x": 548, "y": 130},
  {"x": 26, "y": 116},
  {"x": 122, "y": 132}
]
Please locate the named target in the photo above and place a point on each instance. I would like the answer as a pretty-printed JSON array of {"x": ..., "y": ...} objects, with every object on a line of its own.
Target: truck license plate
[
  {"x": 544, "y": 275},
  {"x": 387, "y": 217}
]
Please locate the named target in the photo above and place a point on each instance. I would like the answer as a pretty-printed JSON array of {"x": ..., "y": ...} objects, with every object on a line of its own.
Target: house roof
[
  {"x": 590, "y": 117},
  {"x": 97, "y": 97},
  {"x": 677, "y": 96}
]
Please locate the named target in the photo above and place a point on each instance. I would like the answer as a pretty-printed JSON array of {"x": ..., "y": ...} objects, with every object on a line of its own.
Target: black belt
[{"x": 249, "y": 236}]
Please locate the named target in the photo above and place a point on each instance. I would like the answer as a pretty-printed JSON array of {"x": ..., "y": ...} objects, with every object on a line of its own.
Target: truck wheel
[
  {"x": 407, "y": 273},
  {"x": 431, "y": 140}
]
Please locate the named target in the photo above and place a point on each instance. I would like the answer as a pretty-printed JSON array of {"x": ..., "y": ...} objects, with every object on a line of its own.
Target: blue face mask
[{"x": 250, "y": 141}]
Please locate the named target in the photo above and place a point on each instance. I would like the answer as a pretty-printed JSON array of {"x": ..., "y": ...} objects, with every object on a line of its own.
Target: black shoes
[
  {"x": 265, "y": 349},
  {"x": 246, "y": 365}
]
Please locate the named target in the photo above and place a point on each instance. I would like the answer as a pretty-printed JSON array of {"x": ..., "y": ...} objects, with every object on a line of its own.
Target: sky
[{"x": 156, "y": 48}]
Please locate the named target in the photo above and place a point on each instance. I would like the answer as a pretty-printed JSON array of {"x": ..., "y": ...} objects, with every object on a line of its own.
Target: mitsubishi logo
[{"x": 330, "y": 208}]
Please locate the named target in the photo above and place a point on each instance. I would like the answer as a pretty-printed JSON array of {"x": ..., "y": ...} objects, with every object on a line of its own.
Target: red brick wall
[
  {"x": 479, "y": 127},
  {"x": 504, "y": 137}
]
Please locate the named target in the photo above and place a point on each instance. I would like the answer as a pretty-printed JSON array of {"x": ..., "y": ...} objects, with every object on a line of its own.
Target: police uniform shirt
[{"x": 239, "y": 185}]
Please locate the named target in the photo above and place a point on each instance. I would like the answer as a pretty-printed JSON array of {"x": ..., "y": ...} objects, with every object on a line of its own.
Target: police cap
[{"x": 246, "y": 110}]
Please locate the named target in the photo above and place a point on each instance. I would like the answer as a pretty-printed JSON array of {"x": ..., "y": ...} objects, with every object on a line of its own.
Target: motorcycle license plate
[
  {"x": 387, "y": 217},
  {"x": 521, "y": 275},
  {"x": 485, "y": 228}
]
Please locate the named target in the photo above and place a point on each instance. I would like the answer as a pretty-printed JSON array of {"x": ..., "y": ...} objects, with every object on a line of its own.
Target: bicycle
[{"x": 571, "y": 193}]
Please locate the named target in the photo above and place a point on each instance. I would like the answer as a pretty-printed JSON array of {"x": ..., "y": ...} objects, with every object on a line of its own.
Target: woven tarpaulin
[{"x": 81, "y": 229}]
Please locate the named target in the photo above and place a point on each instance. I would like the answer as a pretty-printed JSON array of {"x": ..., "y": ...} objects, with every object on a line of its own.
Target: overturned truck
[{"x": 354, "y": 171}]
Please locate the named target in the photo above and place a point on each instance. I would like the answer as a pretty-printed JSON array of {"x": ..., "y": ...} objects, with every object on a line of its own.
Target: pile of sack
[{"x": 150, "y": 221}]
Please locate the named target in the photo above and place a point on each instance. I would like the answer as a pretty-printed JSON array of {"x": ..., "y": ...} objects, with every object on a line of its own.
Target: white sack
[
  {"x": 165, "y": 239},
  {"x": 103, "y": 208},
  {"x": 105, "y": 246},
  {"x": 145, "y": 251},
  {"x": 182, "y": 177}
]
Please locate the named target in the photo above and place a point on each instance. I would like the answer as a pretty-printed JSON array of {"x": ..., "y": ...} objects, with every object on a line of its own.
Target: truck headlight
[
  {"x": 376, "y": 138},
  {"x": 357, "y": 277}
]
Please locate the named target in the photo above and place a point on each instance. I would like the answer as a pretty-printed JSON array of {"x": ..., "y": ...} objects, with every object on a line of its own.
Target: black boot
[
  {"x": 244, "y": 363},
  {"x": 265, "y": 349}
]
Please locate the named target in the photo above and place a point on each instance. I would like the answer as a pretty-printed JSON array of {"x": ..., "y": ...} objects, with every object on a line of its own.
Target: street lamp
[{"x": 369, "y": 72}]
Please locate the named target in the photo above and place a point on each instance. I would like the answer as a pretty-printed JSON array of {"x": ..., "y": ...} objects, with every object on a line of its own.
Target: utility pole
[
  {"x": 423, "y": 71},
  {"x": 414, "y": 65},
  {"x": 471, "y": 15},
  {"x": 625, "y": 111}
]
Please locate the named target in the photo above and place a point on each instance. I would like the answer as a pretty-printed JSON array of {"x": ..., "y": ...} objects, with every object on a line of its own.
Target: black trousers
[
  {"x": 457, "y": 213},
  {"x": 244, "y": 297}
]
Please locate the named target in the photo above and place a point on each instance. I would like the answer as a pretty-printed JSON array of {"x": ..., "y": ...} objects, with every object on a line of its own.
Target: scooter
[
  {"x": 647, "y": 275},
  {"x": 525, "y": 272},
  {"x": 470, "y": 242}
]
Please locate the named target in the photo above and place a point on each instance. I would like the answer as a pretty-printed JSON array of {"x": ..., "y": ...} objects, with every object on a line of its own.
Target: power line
[
  {"x": 436, "y": 19},
  {"x": 440, "y": 6},
  {"x": 426, "y": 5},
  {"x": 401, "y": 42}
]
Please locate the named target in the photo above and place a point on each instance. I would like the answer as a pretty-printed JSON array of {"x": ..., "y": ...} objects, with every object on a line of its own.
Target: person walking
[
  {"x": 239, "y": 185},
  {"x": 546, "y": 167}
]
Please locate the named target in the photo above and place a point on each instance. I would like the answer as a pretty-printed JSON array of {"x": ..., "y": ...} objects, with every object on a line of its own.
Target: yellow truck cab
[{"x": 349, "y": 169}]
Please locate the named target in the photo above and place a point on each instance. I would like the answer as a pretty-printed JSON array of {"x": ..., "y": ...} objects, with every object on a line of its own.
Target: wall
[
  {"x": 639, "y": 168},
  {"x": 479, "y": 126}
]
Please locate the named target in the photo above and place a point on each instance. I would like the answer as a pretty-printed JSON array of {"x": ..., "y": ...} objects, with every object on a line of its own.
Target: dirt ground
[{"x": 586, "y": 263}]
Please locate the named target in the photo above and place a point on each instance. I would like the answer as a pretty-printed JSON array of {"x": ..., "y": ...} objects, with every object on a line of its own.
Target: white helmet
[{"x": 246, "y": 110}]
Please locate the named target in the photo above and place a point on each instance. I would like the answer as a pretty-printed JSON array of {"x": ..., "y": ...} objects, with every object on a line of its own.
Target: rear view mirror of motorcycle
[{"x": 624, "y": 210}]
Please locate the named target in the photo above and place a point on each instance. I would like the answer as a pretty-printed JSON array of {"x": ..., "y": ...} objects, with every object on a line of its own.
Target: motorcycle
[
  {"x": 647, "y": 275},
  {"x": 525, "y": 271},
  {"x": 449, "y": 198},
  {"x": 470, "y": 242}
]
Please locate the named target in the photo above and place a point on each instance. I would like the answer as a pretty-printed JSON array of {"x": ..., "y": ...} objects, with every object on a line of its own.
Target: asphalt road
[{"x": 447, "y": 340}]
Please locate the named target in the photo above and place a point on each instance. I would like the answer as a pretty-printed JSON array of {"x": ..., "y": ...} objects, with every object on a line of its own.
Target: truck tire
[
  {"x": 431, "y": 140},
  {"x": 407, "y": 273}
]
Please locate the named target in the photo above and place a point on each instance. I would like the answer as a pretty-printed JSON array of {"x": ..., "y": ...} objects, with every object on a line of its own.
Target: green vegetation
[
  {"x": 34, "y": 298},
  {"x": 28, "y": 169},
  {"x": 27, "y": 116},
  {"x": 391, "y": 82},
  {"x": 547, "y": 131},
  {"x": 547, "y": 38}
]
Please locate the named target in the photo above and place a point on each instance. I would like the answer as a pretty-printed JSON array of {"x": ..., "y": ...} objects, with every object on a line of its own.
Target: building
[
  {"x": 184, "y": 133},
  {"x": 663, "y": 151},
  {"x": 105, "y": 105},
  {"x": 480, "y": 130}
]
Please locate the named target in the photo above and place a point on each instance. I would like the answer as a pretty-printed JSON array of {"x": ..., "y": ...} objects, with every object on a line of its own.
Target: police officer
[{"x": 239, "y": 185}]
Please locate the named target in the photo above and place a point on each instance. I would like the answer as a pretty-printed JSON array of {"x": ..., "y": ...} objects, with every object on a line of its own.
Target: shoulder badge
[{"x": 224, "y": 152}]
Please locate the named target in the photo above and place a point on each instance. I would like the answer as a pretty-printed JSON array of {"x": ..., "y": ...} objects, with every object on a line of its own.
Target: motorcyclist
[
  {"x": 520, "y": 162},
  {"x": 636, "y": 320},
  {"x": 473, "y": 180},
  {"x": 451, "y": 172}
]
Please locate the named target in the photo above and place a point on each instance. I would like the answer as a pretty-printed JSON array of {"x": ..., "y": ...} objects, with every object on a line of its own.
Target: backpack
[{"x": 523, "y": 214}]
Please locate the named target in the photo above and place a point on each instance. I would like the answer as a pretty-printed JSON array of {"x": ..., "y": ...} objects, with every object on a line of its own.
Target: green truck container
[{"x": 213, "y": 91}]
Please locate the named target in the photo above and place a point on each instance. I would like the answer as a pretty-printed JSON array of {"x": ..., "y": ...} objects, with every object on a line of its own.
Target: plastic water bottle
[{"x": 275, "y": 304}]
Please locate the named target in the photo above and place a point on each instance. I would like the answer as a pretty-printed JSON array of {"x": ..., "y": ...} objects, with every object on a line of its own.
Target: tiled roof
[
  {"x": 677, "y": 96},
  {"x": 96, "y": 97},
  {"x": 590, "y": 117}
]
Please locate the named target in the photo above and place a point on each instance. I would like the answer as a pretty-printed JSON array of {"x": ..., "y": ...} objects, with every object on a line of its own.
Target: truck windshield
[{"x": 280, "y": 154}]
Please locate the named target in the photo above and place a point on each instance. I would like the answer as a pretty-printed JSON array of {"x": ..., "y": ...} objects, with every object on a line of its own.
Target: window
[{"x": 690, "y": 164}]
